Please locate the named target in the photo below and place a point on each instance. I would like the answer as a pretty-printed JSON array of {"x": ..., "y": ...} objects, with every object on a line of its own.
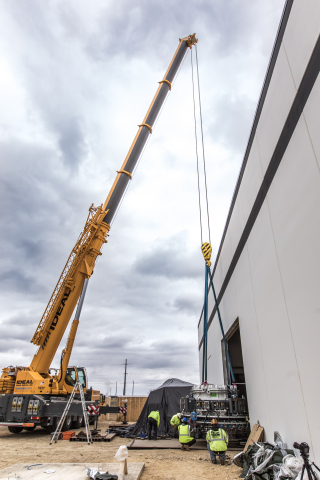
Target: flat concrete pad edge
[
  {"x": 138, "y": 444},
  {"x": 69, "y": 471}
]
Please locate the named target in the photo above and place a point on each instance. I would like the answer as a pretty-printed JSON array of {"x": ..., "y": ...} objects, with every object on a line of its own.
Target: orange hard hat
[{"x": 214, "y": 421}]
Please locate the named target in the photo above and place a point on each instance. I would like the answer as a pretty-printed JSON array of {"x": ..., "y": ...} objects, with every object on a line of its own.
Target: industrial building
[{"x": 267, "y": 270}]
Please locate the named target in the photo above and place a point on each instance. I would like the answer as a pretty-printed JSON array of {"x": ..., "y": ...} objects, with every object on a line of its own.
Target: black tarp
[{"x": 166, "y": 399}]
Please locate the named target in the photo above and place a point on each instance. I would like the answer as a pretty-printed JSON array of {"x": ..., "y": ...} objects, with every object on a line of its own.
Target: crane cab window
[
  {"x": 71, "y": 377},
  {"x": 82, "y": 377}
]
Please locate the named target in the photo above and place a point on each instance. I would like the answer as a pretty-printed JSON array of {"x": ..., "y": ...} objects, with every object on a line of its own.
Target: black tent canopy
[{"x": 166, "y": 399}]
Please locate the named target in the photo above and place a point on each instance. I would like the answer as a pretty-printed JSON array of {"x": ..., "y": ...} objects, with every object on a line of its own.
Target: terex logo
[
  {"x": 57, "y": 315},
  {"x": 24, "y": 382}
]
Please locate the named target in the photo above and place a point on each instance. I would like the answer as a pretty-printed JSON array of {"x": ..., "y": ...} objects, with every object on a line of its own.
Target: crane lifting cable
[{"x": 206, "y": 247}]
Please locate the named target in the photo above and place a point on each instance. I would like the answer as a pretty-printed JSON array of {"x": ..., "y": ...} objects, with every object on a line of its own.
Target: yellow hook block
[{"x": 206, "y": 252}]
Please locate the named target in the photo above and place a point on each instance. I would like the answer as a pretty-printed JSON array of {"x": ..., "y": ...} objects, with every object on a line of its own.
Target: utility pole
[
  {"x": 116, "y": 387},
  {"x": 132, "y": 387},
  {"x": 125, "y": 378}
]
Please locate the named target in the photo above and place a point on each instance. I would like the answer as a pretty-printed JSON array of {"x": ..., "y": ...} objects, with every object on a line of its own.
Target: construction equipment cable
[
  {"x": 196, "y": 140},
  {"x": 204, "y": 158}
]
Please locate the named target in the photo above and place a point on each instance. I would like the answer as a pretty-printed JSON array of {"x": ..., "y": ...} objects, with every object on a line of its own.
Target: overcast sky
[{"x": 77, "y": 77}]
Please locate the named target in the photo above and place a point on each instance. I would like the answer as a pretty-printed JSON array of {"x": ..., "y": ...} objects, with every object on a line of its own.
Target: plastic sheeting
[{"x": 166, "y": 399}]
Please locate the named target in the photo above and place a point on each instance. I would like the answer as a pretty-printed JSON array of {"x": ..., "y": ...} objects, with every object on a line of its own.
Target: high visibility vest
[
  {"x": 218, "y": 440},
  {"x": 175, "y": 420},
  {"x": 184, "y": 433},
  {"x": 156, "y": 416}
]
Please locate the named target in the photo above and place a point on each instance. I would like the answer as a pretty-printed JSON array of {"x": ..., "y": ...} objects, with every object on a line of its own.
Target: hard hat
[
  {"x": 214, "y": 421},
  {"x": 179, "y": 415},
  {"x": 184, "y": 419}
]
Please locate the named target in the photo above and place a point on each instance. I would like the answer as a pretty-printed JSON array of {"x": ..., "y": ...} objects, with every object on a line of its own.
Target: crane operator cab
[
  {"x": 74, "y": 375},
  {"x": 79, "y": 374}
]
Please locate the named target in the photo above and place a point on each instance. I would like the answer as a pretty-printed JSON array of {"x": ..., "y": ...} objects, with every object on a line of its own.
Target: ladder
[{"x": 55, "y": 435}]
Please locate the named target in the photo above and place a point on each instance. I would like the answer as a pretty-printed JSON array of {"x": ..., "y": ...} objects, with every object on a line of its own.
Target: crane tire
[
  {"x": 67, "y": 423},
  {"x": 30, "y": 429},
  {"x": 79, "y": 423},
  {"x": 15, "y": 429}
]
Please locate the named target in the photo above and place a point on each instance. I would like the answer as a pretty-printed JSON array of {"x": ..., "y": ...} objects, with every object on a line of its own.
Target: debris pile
[{"x": 267, "y": 461}]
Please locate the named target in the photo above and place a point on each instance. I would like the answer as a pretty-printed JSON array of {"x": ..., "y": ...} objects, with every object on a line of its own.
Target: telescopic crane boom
[{"x": 81, "y": 262}]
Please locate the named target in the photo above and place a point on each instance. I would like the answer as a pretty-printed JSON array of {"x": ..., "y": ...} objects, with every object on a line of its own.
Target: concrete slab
[{"x": 69, "y": 471}]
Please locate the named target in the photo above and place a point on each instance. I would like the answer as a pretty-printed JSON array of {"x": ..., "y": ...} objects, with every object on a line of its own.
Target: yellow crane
[{"x": 31, "y": 394}]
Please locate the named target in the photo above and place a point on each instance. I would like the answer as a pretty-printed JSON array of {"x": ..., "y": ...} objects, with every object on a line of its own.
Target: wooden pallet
[{"x": 106, "y": 438}]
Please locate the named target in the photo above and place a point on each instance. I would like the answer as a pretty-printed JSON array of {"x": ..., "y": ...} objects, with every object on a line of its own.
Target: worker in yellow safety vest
[
  {"x": 217, "y": 442},
  {"x": 185, "y": 437},
  {"x": 175, "y": 422},
  {"x": 153, "y": 423}
]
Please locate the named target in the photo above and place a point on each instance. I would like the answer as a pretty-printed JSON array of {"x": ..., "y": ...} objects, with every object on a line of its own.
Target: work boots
[
  {"x": 185, "y": 447},
  {"x": 222, "y": 461}
]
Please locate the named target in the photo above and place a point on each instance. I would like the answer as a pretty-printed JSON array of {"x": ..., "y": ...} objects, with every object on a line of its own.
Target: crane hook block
[
  {"x": 167, "y": 82},
  {"x": 146, "y": 125},
  {"x": 206, "y": 252}
]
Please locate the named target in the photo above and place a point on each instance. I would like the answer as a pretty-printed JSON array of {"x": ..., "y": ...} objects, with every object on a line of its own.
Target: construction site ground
[{"x": 32, "y": 448}]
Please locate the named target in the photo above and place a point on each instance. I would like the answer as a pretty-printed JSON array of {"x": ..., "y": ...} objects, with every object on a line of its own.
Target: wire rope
[
  {"x": 204, "y": 159},
  {"x": 196, "y": 139}
]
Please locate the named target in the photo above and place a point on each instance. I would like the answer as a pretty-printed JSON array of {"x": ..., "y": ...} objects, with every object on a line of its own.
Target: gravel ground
[{"x": 33, "y": 447}]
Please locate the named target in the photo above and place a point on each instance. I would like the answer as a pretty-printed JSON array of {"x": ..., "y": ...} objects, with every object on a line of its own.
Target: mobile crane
[{"x": 32, "y": 395}]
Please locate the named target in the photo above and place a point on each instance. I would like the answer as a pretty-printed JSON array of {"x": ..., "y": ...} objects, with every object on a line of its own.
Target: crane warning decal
[{"x": 93, "y": 409}]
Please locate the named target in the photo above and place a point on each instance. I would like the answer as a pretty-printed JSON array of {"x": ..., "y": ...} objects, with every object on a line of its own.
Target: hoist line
[
  {"x": 204, "y": 159},
  {"x": 196, "y": 139}
]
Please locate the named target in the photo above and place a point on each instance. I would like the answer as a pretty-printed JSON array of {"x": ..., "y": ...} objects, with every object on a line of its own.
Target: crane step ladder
[{"x": 56, "y": 434}]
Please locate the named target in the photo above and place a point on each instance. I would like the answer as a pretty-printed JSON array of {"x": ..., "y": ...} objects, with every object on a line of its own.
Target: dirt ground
[{"x": 33, "y": 447}]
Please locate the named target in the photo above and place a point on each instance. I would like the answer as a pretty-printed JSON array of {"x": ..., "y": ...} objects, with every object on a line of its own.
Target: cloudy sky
[{"x": 76, "y": 79}]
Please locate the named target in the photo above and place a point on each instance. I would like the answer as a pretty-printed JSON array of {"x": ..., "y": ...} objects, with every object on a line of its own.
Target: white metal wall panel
[
  {"x": 281, "y": 93},
  {"x": 312, "y": 116},
  {"x": 301, "y": 35},
  {"x": 251, "y": 181},
  {"x": 224, "y": 263},
  {"x": 296, "y": 227},
  {"x": 236, "y": 225},
  {"x": 277, "y": 352},
  {"x": 251, "y": 344}
]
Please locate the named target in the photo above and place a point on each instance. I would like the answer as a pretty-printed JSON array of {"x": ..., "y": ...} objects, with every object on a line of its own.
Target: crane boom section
[
  {"x": 145, "y": 129},
  {"x": 79, "y": 266},
  {"x": 82, "y": 259}
]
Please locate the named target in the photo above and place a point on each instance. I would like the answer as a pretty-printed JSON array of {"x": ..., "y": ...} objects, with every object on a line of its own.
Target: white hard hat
[{"x": 179, "y": 415}]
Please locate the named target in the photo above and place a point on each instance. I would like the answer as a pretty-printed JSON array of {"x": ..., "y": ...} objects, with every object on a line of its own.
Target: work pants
[
  {"x": 152, "y": 425},
  {"x": 213, "y": 454},
  {"x": 175, "y": 431},
  {"x": 192, "y": 442}
]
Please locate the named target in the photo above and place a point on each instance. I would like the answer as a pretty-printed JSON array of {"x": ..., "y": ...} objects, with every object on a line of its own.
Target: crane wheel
[
  {"x": 30, "y": 429},
  {"x": 79, "y": 423},
  {"x": 67, "y": 423},
  {"x": 15, "y": 429}
]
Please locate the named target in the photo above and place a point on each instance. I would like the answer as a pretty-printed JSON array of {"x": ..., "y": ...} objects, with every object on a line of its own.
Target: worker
[
  {"x": 185, "y": 437},
  {"x": 69, "y": 380},
  {"x": 153, "y": 423},
  {"x": 217, "y": 442},
  {"x": 175, "y": 422}
]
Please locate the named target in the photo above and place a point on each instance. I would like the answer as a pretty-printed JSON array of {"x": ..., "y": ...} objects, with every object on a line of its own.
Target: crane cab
[{"x": 74, "y": 375}]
